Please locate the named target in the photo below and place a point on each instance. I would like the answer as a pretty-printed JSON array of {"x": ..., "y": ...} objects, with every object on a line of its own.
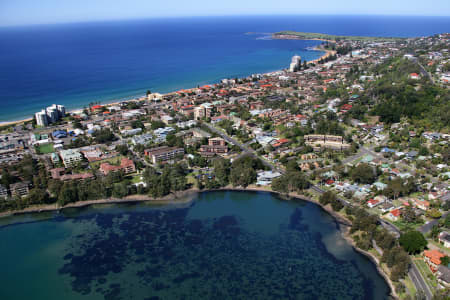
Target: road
[
  {"x": 427, "y": 227},
  {"x": 418, "y": 280},
  {"x": 389, "y": 226},
  {"x": 245, "y": 149},
  {"x": 424, "y": 72}
]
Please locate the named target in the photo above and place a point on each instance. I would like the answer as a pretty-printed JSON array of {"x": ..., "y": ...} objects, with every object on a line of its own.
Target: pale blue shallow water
[{"x": 75, "y": 64}]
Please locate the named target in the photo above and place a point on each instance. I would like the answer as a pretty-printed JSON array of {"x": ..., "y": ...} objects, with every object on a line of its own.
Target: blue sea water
[{"x": 75, "y": 64}]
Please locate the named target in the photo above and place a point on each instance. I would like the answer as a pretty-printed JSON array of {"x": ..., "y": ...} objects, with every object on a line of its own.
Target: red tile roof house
[
  {"x": 372, "y": 203},
  {"x": 414, "y": 76},
  {"x": 329, "y": 182},
  {"x": 126, "y": 165},
  {"x": 281, "y": 142},
  {"x": 346, "y": 107},
  {"x": 394, "y": 215},
  {"x": 433, "y": 259}
]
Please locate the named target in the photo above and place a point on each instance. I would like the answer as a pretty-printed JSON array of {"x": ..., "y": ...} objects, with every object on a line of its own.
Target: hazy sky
[{"x": 18, "y": 12}]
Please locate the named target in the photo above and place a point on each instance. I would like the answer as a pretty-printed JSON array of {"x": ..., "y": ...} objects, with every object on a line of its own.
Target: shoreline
[
  {"x": 137, "y": 97},
  {"x": 187, "y": 196}
]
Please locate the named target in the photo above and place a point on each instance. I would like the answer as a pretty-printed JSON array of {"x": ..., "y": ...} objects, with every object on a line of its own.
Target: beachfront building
[
  {"x": 295, "y": 63},
  {"x": 163, "y": 153},
  {"x": 50, "y": 115},
  {"x": 41, "y": 118},
  {"x": 70, "y": 157}
]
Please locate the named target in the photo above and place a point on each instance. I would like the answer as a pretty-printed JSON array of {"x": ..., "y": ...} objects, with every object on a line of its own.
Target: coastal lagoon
[{"x": 221, "y": 245}]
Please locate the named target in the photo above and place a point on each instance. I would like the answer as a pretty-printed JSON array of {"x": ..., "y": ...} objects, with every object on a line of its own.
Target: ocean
[{"x": 76, "y": 64}]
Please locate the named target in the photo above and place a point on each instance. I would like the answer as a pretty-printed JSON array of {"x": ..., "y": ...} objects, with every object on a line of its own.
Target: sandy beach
[{"x": 136, "y": 98}]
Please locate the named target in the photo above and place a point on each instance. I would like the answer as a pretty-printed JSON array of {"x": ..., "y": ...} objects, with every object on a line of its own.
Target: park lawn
[
  {"x": 113, "y": 161},
  {"x": 409, "y": 287},
  {"x": 426, "y": 272},
  {"x": 191, "y": 179},
  {"x": 46, "y": 148},
  {"x": 136, "y": 179},
  {"x": 404, "y": 226}
]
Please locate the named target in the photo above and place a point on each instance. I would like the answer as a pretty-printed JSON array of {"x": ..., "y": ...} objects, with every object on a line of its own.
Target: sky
[{"x": 23, "y": 12}]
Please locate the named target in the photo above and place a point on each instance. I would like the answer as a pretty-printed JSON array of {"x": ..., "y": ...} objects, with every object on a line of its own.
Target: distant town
[{"x": 364, "y": 131}]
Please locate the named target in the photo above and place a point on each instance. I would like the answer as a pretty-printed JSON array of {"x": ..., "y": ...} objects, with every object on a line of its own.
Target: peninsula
[{"x": 295, "y": 35}]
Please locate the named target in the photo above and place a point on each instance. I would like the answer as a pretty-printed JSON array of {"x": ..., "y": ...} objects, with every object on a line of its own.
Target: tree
[
  {"x": 434, "y": 213},
  {"x": 243, "y": 170},
  {"x": 409, "y": 215},
  {"x": 413, "y": 241},
  {"x": 222, "y": 170},
  {"x": 445, "y": 261},
  {"x": 122, "y": 149},
  {"x": 435, "y": 232},
  {"x": 38, "y": 196},
  {"x": 120, "y": 190},
  {"x": 363, "y": 173},
  {"x": 103, "y": 135}
]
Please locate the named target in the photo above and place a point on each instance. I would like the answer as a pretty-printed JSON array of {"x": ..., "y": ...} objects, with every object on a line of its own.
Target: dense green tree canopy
[{"x": 413, "y": 241}]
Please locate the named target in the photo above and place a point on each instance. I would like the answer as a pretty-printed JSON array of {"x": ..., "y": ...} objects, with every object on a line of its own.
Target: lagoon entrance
[{"x": 233, "y": 245}]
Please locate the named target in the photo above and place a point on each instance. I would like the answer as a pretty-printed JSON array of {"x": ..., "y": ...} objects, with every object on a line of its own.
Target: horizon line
[{"x": 214, "y": 16}]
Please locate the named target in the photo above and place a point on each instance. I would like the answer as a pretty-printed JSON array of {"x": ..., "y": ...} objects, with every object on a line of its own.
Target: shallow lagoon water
[{"x": 223, "y": 245}]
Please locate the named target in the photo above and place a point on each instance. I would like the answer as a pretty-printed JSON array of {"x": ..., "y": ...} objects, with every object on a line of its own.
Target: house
[
  {"x": 266, "y": 177},
  {"x": 444, "y": 238},
  {"x": 443, "y": 276},
  {"x": 372, "y": 203},
  {"x": 394, "y": 214},
  {"x": 421, "y": 204},
  {"x": 414, "y": 76},
  {"x": 433, "y": 259},
  {"x": 386, "y": 207},
  {"x": 380, "y": 186},
  {"x": 126, "y": 165}
]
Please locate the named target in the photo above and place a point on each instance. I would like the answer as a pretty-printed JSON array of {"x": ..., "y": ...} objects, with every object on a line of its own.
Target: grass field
[
  {"x": 426, "y": 272},
  {"x": 410, "y": 287},
  {"x": 113, "y": 161},
  {"x": 404, "y": 226},
  {"x": 46, "y": 148}
]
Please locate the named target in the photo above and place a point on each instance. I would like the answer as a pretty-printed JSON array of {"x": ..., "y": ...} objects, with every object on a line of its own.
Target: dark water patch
[{"x": 167, "y": 255}]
